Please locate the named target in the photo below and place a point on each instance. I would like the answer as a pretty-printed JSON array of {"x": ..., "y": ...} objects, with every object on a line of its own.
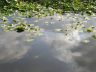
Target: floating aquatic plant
[
  {"x": 90, "y": 29},
  {"x": 18, "y": 25},
  {"x": 19, "y": 28},
  {"x": 94, "y": 36}
]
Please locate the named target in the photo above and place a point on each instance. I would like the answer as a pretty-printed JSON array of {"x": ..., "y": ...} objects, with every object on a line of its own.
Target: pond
[{"x": 60, "y": 48}]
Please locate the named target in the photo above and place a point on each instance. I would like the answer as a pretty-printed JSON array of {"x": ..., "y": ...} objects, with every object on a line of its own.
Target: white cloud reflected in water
[
  {"x": 13, "y": 46},
  {"x": 62, "y": 44},
  {"x": 62, "y": 48}
]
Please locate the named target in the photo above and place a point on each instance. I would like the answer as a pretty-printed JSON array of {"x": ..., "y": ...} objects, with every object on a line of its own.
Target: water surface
[{"x": 51, "y": 52}]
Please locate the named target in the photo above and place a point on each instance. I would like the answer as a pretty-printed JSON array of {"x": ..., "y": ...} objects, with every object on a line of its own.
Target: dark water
[{"x": 51, "y": 52}]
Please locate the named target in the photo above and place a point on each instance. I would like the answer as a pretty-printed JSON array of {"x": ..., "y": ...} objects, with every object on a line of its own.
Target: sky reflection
[{"x": 13, "y": 46}]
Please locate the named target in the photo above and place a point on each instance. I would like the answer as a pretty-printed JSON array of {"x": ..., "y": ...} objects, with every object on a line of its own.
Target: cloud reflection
[
  {"x": 13, "y": 46},
  {"x": 62, "y": 49}
]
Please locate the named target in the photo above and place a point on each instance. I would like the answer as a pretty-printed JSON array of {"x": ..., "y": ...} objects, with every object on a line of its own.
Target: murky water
[{"x": 51, "y": 52}]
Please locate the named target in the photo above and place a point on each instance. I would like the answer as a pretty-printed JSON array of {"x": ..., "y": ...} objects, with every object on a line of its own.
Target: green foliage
[{"x": 48, "y": 7}]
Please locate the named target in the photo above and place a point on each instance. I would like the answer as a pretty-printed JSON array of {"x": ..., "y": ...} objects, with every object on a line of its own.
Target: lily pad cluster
[
  {"x": 18, "y": 26},
  {"x": 81, "y": 28},
  {"x": 43, "y": 8}
]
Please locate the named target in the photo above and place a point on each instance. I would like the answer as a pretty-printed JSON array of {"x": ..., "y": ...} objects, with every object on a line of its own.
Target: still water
[{"x": 50, "y": 52}]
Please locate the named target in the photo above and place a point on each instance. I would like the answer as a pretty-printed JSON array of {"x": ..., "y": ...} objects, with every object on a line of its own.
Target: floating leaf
[
  {"x": 90, "y": 29},
  {"x": 94, "y": 36}
]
